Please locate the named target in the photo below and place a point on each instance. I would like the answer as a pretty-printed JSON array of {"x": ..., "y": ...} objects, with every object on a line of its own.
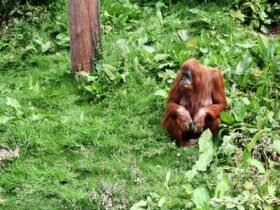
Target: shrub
[
  {"x": 7, "y": 6},
  {"x": 259, "y": 14}
]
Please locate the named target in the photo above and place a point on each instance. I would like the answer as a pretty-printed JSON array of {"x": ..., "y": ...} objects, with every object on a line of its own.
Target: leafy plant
[
  {"x": 104, "y": 80},
  {"x": 258, "y": 14},
  {"x": 8, "y": 7}
]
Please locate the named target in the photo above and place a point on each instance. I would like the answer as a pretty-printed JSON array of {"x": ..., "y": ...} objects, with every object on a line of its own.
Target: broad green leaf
[
  {"x": 237, "y": 14},
  {"x": 2, "y": 201},
  {"x": 201, "y": 15},
  {"x": 164, "y": 65},
  {"x": 163, "y": 75},
  {"x": 63, "y": 39},
  {"x": 36, "y": 117},
  {"x": 270, "y": 117},
  {"x": 167, "y": 178},
  {"x": 264, "y": 29},
  {"x": 4, "y": 120},
  {"x": 159, "y": 15},
  {"x": 261, "y": 91},
  {"x": 227, "y": 147},
  {"x": 123, "y": 46},
  {"x": 204, "y": 50},
  {"x": 139, "y": 205},
  {"x": 38, "y": 41},
  {"x": 124, "y": 76},
  {"x": 155, "y": 195},
  {"x": 227, "y": 118},
  {"x": 188, "y": 189},
  {"x": 96, "y": 86},
  {"x": 245, "y": 100},
  {"x": 88, "y": 76},
  {"x": 161, "y": 57},
  {"x": 170, "y": 81},
  {"x": 204, "y": 161},
  {"x": 160, "y": 4},
  {"x": 110, "y": 71},
  {"x": 161, "y": 202},
  {"x": 270, "y": 52},
  {"x": 245, "y": 45},
  {"x": 223, "y": 184},
  {"x": 271, "y": 189},
  {"x": 258, "y": 165},
  {"x": 201, "y": 198},
  {"x": 91, "y": 78},
  {"x": 195, "y": 11},
  {"x": 171, "y": 74},
  {"x": 88, "y": 88},
  {"x": 142, "y": 40},
  {"x": 263, "y": 42},
  {"x": 190, "y": 174},
  {"x": 276, "y": 145},
  {"x": 203, "y": 39},
  {"x": 45, "y": 46},
  {"x": 161, "y": 93},
  {"x": 30, "y": 47},
  {"x": 239, "y": 112},
  {"x": 183, "y": 35},
  {"x": 12, "y": 103},
  {"x": 248, "y": 185},
  {"x": 244, "y": 63},
  {"x": 249, "y": 147},
  {"x": 206, "y": 151},
  {"x": 192, "y": 42},
  {"x": 35, "y": 88},
  {"x": 149, "y": 49},
  {"x": 205, "y": 141}
]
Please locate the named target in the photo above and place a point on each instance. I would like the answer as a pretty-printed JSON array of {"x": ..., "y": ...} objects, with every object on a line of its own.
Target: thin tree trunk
[{"x": 85, "y": 33}]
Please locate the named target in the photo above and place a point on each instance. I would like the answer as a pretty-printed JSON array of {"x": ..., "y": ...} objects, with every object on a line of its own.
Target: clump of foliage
[
  {"x": 28, "y": 33},
  {"x": 8, "y": 8},
  {"x": 259, "y": 14}
]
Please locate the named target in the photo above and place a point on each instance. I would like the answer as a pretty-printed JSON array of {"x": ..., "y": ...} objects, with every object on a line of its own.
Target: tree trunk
[{"x": 85, "y": 33}]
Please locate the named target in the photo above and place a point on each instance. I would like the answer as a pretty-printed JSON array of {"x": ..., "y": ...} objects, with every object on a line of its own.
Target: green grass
[
  {"x": 84, "y": 149},
  {"x": 69, "y": 146}
]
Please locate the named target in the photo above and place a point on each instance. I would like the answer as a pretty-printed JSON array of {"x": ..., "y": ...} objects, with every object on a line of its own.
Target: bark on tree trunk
[{"x": 85, "y": 33}]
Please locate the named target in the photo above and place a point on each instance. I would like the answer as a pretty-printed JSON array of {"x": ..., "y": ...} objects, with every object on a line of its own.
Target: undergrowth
[{"x": 94, "y": 141}]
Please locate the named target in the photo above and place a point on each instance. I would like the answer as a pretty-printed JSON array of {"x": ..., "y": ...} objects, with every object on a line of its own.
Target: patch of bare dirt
[{"x": 275, "y": 30}]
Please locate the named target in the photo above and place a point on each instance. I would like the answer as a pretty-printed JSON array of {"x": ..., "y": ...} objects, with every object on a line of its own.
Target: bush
[
  {"x": 259, "y": 14},
  {"x": 7, "y": 6}
]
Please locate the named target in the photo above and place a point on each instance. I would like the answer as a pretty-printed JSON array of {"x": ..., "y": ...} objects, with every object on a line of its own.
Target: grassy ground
[
  {"x": 68, "y": 146},
  {"x": 105, "y": 147}
]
